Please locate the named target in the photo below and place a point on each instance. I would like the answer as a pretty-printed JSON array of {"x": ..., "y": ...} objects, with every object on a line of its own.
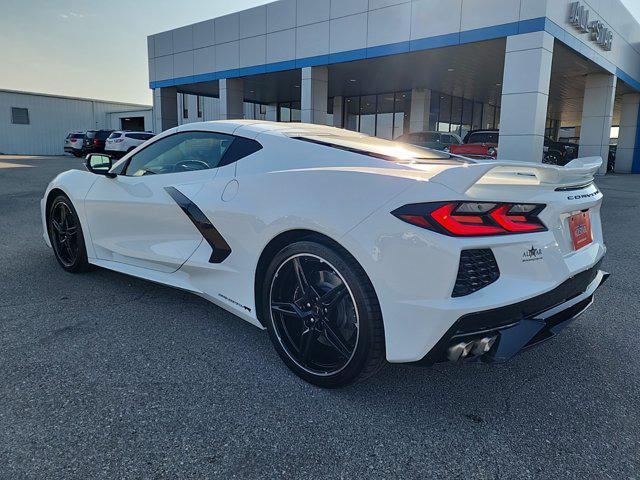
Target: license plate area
[{"x": 580, "y": 230}]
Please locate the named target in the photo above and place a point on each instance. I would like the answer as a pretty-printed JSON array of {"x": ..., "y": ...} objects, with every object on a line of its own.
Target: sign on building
[{"x": 598, "y": 32}]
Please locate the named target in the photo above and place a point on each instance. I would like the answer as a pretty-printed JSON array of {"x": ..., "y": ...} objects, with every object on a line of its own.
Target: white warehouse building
[
  {"x": 529, "y": 68},
  {"x": 37, "y": 123}
]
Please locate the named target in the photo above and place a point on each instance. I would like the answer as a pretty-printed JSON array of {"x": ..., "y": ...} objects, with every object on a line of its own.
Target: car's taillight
[
  {"x": 95, "y": 142},
  {"x": 473, "y": 219}
]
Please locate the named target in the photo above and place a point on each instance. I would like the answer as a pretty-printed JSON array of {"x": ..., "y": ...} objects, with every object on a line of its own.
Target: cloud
[{"x": 71, "y": 15}]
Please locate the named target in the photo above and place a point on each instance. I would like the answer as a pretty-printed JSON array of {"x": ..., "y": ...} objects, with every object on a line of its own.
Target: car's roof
[{"x": 254, "y": 127}]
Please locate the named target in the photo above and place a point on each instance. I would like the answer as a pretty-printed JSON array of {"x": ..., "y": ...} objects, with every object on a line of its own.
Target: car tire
[
  {"x": 66, "y": 236},
  {"x": 325, "y": 323}
]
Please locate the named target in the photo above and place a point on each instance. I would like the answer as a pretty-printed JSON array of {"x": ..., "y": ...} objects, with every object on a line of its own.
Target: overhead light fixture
[
  {"x": 297, "y": 86},
  {"x": 451, "y": 69},
  {"x": 353, "y": 80},
  {"x": 498, "y": 84}
]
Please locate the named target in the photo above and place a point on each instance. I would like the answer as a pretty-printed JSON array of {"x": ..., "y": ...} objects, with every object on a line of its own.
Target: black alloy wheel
[
  {"x": 323, "y": 316},
  {"x": 65, "y": 234}
]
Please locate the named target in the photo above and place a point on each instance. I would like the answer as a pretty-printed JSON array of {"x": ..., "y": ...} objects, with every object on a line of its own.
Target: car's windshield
[
  {"x": 379, "y": 148},
  {"x": 483, "y": 137}
]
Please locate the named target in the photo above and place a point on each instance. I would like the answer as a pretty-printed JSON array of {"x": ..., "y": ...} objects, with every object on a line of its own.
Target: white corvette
[{"x": 350, "y": 250}]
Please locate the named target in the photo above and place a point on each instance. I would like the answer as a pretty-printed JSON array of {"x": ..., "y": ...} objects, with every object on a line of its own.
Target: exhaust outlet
[
  {"x": 483, "y": 346},
  {"x": 459, "y": 351},
  {"x": 477, "y": 348}
]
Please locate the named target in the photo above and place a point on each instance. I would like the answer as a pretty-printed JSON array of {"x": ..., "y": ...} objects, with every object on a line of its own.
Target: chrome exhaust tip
[
  {"x": 477, "y": 348},
  {"x": 459, "y": 351},
  {"x": 483, "y": 345}
]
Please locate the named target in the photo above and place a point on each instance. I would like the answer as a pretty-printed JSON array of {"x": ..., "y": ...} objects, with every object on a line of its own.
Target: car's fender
[{"x": 75, "y": 184}]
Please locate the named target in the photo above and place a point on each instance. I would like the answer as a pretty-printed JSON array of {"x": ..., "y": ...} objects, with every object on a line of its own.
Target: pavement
[{"x": 103, "y": 375}]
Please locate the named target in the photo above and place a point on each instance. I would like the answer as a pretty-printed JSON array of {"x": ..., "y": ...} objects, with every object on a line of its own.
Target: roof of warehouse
[{"x": 67, "y": 97}]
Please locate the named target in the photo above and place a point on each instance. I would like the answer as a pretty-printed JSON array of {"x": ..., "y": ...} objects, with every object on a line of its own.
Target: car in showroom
[
  {"x": 73, "y": 143},
  {"x": 483, "y": 144},
  {"x": 479, "y": 144},
  {"x": 121, "y": 142},
  {"x": 350, "y": 250},
  {"x": 434, "y": 140}
]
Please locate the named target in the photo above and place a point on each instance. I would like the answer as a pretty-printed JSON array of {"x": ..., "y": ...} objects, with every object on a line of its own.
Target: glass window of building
[
  {"x": 185, "y": 105},
  {"x": 444, "y": 119},
  {"x": 456, "y": 115},
  {"x": 488, "y": 116},
  {"x": 467, "y": 117},
  {"x": 368, "y": 115},
  {"x": 352, "y": 113},
  {"x": 434, "y": 111},
  {"x": 200, "y": 106},
  {"x": 401, "y": 114},
  {"x": 477, "y": 116},
  {"x": 385, "y": 116}
]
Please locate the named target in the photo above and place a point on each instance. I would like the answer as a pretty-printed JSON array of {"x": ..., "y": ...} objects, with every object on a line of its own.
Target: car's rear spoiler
[{"x": 577, "y": 172}]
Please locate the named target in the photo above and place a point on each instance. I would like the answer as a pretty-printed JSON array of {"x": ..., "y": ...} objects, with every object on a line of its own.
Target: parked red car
[{"x": 478, "y": 144}]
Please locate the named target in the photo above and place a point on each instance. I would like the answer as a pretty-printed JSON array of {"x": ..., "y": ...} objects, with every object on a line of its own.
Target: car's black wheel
[
  {"x": 65, "y": 233},
  {"x": 323, "y": 315}
]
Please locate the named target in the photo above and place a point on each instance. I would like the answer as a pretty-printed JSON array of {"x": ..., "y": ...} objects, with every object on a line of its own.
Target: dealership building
[{"x": 387, "y": 67}]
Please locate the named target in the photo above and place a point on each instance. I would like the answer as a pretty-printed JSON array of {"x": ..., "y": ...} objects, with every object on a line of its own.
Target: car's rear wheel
[
  {"x": 323, "y": 315},
  {"x": 65, "y": 233}
]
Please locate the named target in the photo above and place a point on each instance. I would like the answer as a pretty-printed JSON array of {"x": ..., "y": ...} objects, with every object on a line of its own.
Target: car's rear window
[
  {"x": 115, "y": 135},
  {"x": 139, "y": 136},
  {"x": 483, "y": 137},
  {"x": 90, "y": 134},
  {"x": 379, "y": 148},
  {"x": 77, "y": 135},
  {"x": 103, "y": 134}
]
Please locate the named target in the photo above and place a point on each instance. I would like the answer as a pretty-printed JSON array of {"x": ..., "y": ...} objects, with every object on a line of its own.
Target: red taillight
[
  {"x": 473, "y": 219},
  {"x": 95, "y": 142}
]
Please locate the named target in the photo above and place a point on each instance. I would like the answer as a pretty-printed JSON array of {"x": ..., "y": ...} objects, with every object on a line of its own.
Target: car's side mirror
[{"x": 100, "y": 164}]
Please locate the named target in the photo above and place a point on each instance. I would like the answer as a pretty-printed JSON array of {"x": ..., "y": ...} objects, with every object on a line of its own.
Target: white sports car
[{"x": 350, "y": 250}]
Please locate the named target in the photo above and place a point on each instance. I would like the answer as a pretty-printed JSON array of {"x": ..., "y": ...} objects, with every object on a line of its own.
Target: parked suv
[
  {"x": 121, "y": 142},
  {"x": 73, "y": 144},
  {"x": 94, "y": 141},
  {"x": 433, "y": 140}
]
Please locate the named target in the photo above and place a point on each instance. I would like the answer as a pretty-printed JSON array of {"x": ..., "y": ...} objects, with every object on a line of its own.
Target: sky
[{"x": 98, "y": 49}]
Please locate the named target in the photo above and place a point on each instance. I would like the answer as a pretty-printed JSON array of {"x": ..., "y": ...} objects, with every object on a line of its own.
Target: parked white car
[
  {"x": 350, "y": 250},
  {"x": 121, "y": 142},
  {"x": 73, "y": 143}
]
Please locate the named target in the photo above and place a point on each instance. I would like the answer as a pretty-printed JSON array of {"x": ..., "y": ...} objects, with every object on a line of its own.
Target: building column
[
  {"x": 314, "y": 95},
  {"x": 420, "y": 109},
  {"x": 338, "y": 102},
  {"x": 628, "y": 153},
  {"x": 525, "y": 96},
  {"x": 231, "y": 98},
  {"x": 597, "y": 116},
  {"x": 165, "y": 109}
]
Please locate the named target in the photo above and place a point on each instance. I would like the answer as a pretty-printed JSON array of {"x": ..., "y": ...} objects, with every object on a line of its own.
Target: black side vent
[{"x": 478, "y": 268}]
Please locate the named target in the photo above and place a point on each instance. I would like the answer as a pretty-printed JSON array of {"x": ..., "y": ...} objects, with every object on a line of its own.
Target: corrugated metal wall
[{"x": 51, "y": 119}]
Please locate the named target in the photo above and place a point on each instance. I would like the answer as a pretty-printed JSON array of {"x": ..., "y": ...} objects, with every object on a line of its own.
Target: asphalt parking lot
[{"x": 103, "y": 375}]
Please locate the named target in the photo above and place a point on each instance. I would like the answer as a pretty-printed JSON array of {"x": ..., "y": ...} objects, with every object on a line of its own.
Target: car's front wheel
[
  {"x": 323, "y": 315},
  {"x": 65, "y": 233}
]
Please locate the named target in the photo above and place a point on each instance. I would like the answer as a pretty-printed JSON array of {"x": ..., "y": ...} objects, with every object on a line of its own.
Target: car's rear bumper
[{"x": 519, "y": 326}]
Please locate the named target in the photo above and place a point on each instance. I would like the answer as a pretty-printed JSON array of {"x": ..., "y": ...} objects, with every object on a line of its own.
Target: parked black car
[
  {"x": 94, "y": 141},
  {"x": 559, "y": 153}
]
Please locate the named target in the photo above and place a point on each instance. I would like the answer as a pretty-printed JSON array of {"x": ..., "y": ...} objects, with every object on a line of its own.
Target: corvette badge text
[
  {"x": 586, "y": 195},
  {"x": 532, "y": 255}
]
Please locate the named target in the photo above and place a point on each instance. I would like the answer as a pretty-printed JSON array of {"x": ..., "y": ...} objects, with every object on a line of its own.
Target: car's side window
[{"x": 181, "y": 152}]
